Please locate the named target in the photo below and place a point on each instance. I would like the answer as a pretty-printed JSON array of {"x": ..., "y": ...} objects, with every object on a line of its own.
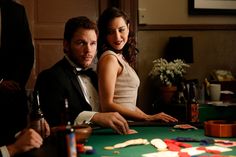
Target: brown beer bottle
[
  {"x": 193, "y": 105},
  {"x": 70, "y": 137},
  {"x": 37, "y": 118}
]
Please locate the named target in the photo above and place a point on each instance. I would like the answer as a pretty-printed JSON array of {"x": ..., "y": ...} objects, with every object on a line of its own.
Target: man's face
[{"x": 83, "y": 47}]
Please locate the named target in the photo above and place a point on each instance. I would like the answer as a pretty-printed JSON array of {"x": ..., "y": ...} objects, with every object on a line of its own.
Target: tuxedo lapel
[
  {"x": 69, "y": 70},
  {"x": 76, "y": 83}
]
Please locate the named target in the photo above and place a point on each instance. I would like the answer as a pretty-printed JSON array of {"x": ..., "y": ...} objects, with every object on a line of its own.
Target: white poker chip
[
  {"x": 131, "y": 142},
  {"x": 159, "y": 144},
  {"x": 120, "y": 145},
  {"x": 108, "y": 147},
  {"x": 88, "y": 148}
]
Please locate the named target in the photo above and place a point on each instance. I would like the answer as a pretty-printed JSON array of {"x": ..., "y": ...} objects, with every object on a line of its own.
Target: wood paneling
[
  {"x": 50, "y": 16},
  {"x": 47, "y": 20},
  {"x": 51, "y": 51}
]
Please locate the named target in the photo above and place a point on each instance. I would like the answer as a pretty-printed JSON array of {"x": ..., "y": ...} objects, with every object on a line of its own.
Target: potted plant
[{"x": 170, "y": 75}]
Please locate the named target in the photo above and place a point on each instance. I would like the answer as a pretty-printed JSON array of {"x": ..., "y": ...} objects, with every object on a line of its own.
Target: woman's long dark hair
[{"x": 129, "y": 51}]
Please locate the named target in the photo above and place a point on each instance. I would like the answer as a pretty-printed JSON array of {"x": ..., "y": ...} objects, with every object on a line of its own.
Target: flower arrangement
[{"x": 169, "y": 72}]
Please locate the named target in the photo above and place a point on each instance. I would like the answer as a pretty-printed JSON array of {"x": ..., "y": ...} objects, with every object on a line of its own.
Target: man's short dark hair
[{"x": 74, "y": 23}]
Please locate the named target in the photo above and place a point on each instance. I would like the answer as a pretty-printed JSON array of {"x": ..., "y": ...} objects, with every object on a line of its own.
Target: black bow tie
[{"x": 84, "y": 71}]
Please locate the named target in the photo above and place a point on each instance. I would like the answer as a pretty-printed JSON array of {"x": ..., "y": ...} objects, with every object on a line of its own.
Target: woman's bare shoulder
[{"x": 108, "y": 57}]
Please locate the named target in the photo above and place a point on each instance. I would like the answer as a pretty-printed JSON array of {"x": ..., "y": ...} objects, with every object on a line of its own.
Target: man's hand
[
  {"x": 9, "y": 86},
  {"x": 113, "y": 120},
  {"x": 27, "y": 140}
]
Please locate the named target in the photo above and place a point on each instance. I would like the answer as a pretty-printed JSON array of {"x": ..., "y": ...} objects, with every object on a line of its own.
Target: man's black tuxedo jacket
[
  {"x": 16, "y": 62},
  {"x": 17, "y": 52},
  {"x": 56, "y": 84}
]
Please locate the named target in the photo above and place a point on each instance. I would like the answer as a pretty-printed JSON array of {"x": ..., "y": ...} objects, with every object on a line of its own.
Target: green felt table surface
[
  {"x": 106, "y": 137},
  {"x": 216, "y": 112}
]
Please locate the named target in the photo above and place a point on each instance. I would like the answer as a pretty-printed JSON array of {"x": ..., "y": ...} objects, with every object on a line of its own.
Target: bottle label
[
  {"x": 71, "y": 145},
  {"x": 194, "y": 113}
]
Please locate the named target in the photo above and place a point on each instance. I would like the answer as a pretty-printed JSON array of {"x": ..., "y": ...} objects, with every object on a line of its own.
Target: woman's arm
[{"x": 108, "y": 70}]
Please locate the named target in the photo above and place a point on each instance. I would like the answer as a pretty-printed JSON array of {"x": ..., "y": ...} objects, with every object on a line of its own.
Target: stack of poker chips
[{"x": 82, "y": 149}]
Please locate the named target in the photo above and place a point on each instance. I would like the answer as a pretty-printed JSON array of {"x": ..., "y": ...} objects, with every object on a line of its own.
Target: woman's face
[{"x": 118, "y": 32}]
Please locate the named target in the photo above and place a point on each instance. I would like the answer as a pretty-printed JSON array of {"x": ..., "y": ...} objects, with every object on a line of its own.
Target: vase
[{"x": 167, "y": 93}]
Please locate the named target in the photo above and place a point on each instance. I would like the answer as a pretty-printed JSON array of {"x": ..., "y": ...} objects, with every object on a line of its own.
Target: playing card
[
  {"x": 225, "y": 143},
  {"x": 132, "y": 131},
  {"x": 184, "y": 126}
]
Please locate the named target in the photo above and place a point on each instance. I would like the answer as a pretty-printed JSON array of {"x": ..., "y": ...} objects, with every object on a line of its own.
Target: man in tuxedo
[
  {"x": 16, "y": 62},
  {"x": 71, "y": 81}
]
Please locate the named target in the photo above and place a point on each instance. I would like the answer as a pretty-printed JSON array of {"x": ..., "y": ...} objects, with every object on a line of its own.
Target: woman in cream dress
[{"x": 118, "y": 82}]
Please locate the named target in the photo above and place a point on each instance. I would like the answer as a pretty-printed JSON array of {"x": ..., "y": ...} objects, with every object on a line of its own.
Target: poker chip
[
  {"x": 131, "y": 142},
  {"x": 92, "y": 151},
  {"x": 120, "y": 145},
  {"x": 80, "y": 148},
  {"x": 172, "y": 130},
  {"x": 108, "y": 147},
  {"x": 183, "y": 154},
  {"x": 159, "y": 144},
  {"x": 128, "y": 143},
  {"x": 116, "y": 152},
  {"x": 88, "y": 148}
]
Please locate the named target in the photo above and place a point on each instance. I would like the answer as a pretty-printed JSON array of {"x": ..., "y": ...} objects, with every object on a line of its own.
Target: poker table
[{"x": 103, "y": 137}]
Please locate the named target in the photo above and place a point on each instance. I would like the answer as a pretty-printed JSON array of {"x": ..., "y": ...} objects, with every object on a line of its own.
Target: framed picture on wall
[{"x": 212, "y": 7}]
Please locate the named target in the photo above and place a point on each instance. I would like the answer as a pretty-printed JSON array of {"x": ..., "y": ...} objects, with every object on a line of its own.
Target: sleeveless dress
[{"x": 127, "y": 83}]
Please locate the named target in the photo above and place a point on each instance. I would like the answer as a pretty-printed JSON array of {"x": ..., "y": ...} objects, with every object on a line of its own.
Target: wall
[
  {"x": 175, "y": 12},
  {"x": 47, "y": 22},
  {"x": 212, "y": 49}
]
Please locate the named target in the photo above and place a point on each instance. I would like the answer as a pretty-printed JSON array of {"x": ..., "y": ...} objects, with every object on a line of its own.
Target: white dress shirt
[
  {"x": 90, "y": 94},
  {"x": 4, "y": 151}
]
